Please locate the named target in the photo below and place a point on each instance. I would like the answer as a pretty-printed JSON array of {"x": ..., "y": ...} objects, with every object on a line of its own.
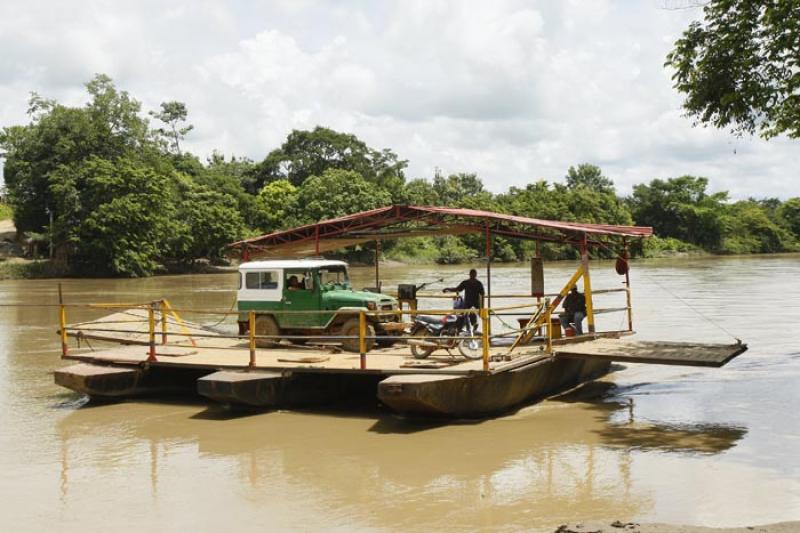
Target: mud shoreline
[{"x": 634, "y": 527}]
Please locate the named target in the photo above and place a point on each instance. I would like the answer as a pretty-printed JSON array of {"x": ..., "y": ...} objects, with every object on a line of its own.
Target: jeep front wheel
[{"x": 350, "y": 329}]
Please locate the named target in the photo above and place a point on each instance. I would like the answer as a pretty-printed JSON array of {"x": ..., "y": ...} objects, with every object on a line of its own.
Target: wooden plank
[
  {"x": 303, "y": 358},
  {"x": 653, "y": 352}
]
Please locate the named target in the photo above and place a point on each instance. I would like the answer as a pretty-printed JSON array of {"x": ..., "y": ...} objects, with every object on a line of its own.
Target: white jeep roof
[{"x": 290, "y": 263}]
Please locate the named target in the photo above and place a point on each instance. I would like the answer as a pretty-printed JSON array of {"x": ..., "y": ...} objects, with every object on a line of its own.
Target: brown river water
[{"x": 714, "y": 447}]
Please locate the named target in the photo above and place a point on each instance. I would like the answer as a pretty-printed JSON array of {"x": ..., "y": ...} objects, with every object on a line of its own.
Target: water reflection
[
  {"x": 633, "y": 434},
  {"x": 563, "y": 457}
]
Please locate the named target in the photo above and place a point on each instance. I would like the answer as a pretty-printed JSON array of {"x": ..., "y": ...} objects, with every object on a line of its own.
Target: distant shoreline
[{"x": 17, "y": 268}]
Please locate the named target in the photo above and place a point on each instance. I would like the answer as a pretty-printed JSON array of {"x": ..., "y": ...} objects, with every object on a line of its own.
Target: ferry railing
[{"x": 163, "y": 309}]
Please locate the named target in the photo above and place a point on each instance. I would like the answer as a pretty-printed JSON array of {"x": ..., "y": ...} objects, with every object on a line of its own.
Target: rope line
[{"x": 687, "y": 304}]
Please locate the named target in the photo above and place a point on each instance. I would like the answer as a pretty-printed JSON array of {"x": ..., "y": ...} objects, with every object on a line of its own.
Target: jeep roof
[{"x": 290, "y": 263}]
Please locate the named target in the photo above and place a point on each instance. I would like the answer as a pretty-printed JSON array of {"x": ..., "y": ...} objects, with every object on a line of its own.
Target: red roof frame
[{"x": 383, "y": 222}]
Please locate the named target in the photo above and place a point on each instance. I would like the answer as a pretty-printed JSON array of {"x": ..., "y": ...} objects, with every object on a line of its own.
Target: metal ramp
[{"x": 652, "y": 352}]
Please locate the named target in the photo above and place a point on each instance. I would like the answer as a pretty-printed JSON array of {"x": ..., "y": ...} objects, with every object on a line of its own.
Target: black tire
[
  {"x": 421, "y": 352},
  {"x": 471, "y": 348},
  {"x": 266, "y": 325},
  {"x": 350, "y": 329}
]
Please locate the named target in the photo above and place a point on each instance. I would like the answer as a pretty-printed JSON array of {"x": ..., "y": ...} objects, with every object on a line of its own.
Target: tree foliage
[
  {"x": 680, "y": 208},
  {"x": 172, "y": 114},
  {"x": 278, "y": 205},
  {"x": 311, "y": 153},
  {"x": 740, "y": 67},
  {"x": 790, "y": 213},
  {"x": 112, "y": 217},
  {"x": 590, "y": 177},
  {"x": 120, "y": 205},
  {"x": 336, "y": 193},
  {"x": 126, "y": 200}
]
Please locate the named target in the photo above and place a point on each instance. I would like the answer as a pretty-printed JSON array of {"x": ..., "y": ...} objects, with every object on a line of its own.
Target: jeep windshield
[{"x": 334, "y": 277}]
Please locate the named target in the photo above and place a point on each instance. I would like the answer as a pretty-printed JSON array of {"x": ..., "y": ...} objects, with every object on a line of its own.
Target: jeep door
[
  {"x": 259, "y": 290},
  {"x": 300, "y": 293}
]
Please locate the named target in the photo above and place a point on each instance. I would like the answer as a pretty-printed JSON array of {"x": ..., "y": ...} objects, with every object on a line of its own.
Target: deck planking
[{"x": 653, "y": 352}]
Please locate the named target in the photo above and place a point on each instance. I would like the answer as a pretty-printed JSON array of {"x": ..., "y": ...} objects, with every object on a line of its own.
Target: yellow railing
[{"x": 540, "y": 322}]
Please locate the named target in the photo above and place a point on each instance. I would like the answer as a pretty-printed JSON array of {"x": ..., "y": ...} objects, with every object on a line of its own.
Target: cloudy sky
[{"x": 513, "y": 90}]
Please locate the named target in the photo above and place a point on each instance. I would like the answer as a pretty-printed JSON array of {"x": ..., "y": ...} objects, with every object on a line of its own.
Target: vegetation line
[{"x": 118, "y": 197}]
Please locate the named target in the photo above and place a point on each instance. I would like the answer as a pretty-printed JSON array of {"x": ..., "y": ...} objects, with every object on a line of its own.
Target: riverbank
[
  {"x": 632, "y": 527},
  {"x": 21, "y": 268}
]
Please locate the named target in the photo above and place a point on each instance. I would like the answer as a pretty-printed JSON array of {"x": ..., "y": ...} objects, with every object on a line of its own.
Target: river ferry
[{"x": 307, "y": 337}]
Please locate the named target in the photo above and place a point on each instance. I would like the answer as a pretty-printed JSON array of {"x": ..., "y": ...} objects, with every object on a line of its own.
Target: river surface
[{"x": 715, "y": 447}]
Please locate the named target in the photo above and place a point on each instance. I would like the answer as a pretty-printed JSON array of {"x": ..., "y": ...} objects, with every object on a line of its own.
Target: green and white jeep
[{"x": 310, "y": 285}]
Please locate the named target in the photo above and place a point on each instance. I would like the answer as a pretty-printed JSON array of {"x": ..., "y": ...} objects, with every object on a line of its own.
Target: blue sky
[{"x": 515, "y": 91}]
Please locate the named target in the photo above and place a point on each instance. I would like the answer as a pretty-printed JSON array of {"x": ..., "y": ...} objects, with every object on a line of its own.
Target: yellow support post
[
  {"x": 485, "y": 337},
  {"x": 525, "y": 336},
  {"x": 151, "y": 321},
  {"x": 163, "y": 322},
  {"x": 548, "y": 316},
  {"x": 587, "y": 284},
  {"x": 183, "y": 327},
  {"x": 62, "y": 318},
  {"x": 62, "y": 321},
  {"x": 362, "y": 341},
  {"x": 251, "y": 317}
]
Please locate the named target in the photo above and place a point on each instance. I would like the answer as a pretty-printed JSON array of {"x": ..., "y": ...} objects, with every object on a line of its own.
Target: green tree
[
  {"x": 108, "y": 126},
  {"x": 419, "y": 192},
  {"x": 277, "y": 205},
  {"x": 749, "y": 229},
  {"x": 336, "y": 193},
  {"x": 172, "y": 114},
  {"x": 589, "y": 176},
  {"x": 227, "y": 176},
  {"x": 113, "y": 217},
  {"x": 680, "y": 208},
  {"x": 311, "y": 153},
  {"x": 212, "y": 220},
  {"x": 453, "y": 189},
  {"x": 790, "y": 213},
  {"x": 738, "y": 68}
]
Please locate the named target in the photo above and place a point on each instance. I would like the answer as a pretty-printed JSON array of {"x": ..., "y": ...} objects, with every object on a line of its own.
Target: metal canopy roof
[{"x": 397, "y": 221}]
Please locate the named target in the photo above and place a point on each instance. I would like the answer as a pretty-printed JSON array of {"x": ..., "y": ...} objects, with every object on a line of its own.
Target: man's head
[
  {"x": 574, "y": 288},
  {"x": 473, "y": 273}
]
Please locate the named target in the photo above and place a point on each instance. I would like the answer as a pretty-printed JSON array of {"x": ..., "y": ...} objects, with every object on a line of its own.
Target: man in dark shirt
[
  {"x": 574, "y": 310},
  {"x": 473, "y": 294}
]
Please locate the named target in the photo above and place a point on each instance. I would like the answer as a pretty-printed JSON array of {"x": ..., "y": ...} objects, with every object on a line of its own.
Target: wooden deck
[
  {"x": 229, "y": 354},
  {"x": 653, "y": 352},
  {"x": 192, "y": 345}
]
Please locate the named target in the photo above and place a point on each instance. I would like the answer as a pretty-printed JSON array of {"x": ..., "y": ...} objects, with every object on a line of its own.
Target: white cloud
[{"x": 514, "y": 90}]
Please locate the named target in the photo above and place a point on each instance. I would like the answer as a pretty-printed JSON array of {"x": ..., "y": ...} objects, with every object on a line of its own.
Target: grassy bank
[
  {"x": 5, "y": 211},
  {"x": 17, "y": 268},
  {"x": 30, "y": 269}
]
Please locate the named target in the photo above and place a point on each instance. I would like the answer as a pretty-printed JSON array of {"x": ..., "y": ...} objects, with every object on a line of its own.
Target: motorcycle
[{"x": 445, "y": 332}]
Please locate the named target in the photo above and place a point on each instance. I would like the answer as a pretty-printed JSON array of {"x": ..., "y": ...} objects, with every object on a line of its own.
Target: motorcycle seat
[{"x": 428, "y": 319}]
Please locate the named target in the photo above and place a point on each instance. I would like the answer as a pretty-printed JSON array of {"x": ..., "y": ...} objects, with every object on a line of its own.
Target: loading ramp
[{"x": 652, "y": 352}]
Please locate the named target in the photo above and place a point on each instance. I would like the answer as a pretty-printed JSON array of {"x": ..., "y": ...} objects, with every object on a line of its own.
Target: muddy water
[{"x": 711, "y": 447}]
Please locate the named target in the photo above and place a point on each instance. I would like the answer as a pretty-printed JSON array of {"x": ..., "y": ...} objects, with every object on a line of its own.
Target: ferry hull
[{"x": 485, "y": 395}]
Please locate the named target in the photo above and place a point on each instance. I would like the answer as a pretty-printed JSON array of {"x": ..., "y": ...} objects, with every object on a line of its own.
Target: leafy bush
[{"x": 452, "y": 251}]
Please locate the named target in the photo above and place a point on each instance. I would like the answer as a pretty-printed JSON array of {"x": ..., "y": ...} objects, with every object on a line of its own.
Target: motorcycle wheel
[
  {"x": 471, "y": 348},
  {"x": 421, "y": 352}
]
